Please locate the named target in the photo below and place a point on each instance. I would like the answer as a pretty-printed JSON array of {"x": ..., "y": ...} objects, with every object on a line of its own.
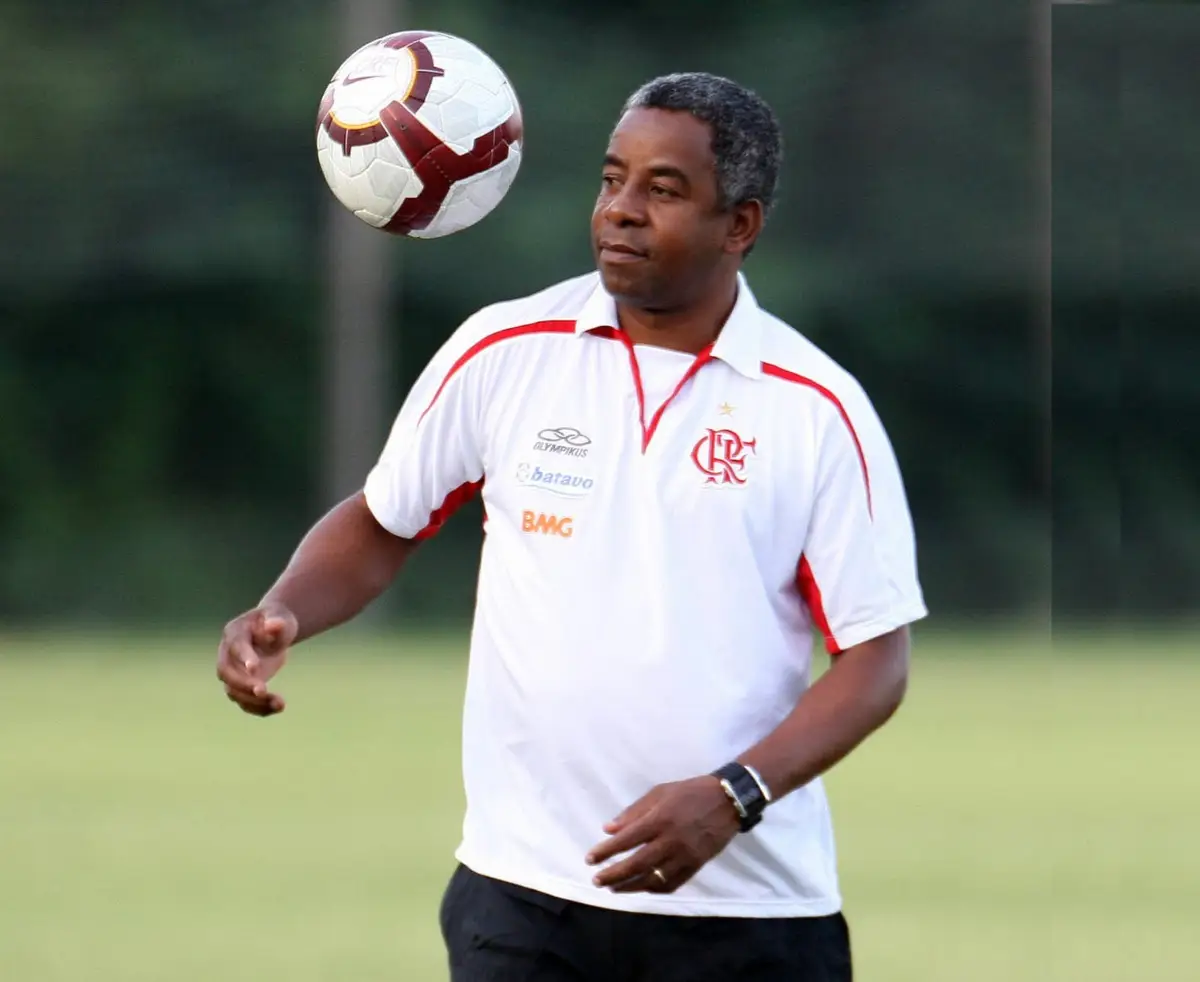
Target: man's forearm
[
  {"x": 344, "y": 562},
  {"x": 862, "y": 689}
]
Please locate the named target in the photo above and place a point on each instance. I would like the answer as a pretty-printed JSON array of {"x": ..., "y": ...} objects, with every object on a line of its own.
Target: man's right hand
[{"x": 253, "y": 649}]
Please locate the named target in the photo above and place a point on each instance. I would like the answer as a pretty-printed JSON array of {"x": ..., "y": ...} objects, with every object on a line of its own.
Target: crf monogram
[
  {"x": 546, "y": 524},
  {"x": 721, "y": 456}
]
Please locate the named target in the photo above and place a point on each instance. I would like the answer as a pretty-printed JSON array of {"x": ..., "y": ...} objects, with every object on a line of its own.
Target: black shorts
[{"x": 498, "y": 932}]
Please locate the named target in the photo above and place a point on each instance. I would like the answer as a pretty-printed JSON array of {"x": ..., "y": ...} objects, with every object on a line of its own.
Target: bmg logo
[{"x": 537, "y": 522}]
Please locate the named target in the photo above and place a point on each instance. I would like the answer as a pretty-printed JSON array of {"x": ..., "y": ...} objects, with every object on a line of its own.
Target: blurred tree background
[{"x": 164, "y": 289}]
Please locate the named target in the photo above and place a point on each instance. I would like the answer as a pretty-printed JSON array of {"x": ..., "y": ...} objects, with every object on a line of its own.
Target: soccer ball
[{"x": 419, "y": 134}]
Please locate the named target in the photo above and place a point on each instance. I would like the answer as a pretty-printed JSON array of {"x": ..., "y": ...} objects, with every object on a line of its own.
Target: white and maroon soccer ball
[{"x": 419, "y": 134}]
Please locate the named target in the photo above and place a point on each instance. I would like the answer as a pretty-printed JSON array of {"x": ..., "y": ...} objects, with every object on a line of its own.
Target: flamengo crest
[{"x": 721, "y": 456}]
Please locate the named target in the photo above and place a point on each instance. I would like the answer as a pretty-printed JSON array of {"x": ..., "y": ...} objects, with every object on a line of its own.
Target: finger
[
  {"x": 639, "y": 832},
  {"x": 275, "y": 630},
  {"x": 249, "y": 698},
  {"x": 242, "y": 651},
  {"x": 235, "y": 677},
  {"x": 255, "y": 707},
  {"x": 268, "y": 706},
  {"x": 675, "y": 879},
  {"x": 643, "y": 806},
  {"x": 238, "y": 679},
  {"x": 646, "y": 883},
  {"x": 674, "y": 875},
  {"x": 631, "y": 870},
  {"x": 650, "y": 883},
  {"x": 244, "y": 698}
]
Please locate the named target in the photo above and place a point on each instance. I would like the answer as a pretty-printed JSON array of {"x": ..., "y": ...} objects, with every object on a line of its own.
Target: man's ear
[{"x": 745, "y": 227}]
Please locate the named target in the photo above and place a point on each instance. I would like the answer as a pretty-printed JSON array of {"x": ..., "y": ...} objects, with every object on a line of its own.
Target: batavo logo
[
  {"x": 564, "y": 483},
  {"x": 546, "y": 524}
]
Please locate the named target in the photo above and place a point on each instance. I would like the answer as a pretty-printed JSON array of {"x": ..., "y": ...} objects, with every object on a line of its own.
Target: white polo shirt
[{"x": 662, "y": 534}]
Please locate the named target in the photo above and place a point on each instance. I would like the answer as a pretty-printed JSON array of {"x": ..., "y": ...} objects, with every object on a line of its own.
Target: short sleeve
[
  {"x": 857, "y": 573},
  {"x": 432, "y": 460}
]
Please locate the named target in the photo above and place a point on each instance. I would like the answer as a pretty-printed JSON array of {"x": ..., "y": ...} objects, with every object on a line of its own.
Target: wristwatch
[{"x": 746, "y": 791}]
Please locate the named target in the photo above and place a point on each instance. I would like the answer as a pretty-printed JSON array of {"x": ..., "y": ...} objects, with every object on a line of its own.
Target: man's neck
[{"x": 688, "y": 329}]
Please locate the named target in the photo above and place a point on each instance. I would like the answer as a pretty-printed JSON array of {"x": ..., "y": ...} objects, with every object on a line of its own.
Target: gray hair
[{"x": 746, "y": 141}]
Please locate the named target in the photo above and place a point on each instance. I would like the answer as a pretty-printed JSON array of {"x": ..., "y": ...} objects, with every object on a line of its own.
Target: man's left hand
[{"x": 678, "y": 826}]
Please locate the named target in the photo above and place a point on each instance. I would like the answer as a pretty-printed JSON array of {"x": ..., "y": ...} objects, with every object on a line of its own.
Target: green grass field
[{"x": 1029, "y": 816}]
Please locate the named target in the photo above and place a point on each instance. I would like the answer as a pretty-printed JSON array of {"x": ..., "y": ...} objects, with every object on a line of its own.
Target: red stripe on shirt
[
  {"x": 454, "y": 501},
  {"x": 816, "y": 606},
  {"x": 783, "y": 373},
  {"x": 465, "y": 492},
  {"x": 703, "y": 357},
  {"x": 539, "y": 327},
  {"x": 805, "y": 580}
]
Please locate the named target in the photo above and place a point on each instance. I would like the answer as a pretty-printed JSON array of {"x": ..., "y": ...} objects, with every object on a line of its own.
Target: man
[{"x": 678, "y": 487}]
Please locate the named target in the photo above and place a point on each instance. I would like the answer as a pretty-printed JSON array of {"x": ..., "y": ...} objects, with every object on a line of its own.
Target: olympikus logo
[
  {"x": 546, "y": 524},
  {"x": 563, "y": 440},
  {"x": 556, "y": 482}
]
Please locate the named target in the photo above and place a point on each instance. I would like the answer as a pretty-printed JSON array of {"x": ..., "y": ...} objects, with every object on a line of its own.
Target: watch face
[{"x": 745, "y": 794}]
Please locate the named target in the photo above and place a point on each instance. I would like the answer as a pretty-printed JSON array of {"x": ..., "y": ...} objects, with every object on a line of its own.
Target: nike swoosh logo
[{"x": 350, "y": 80}]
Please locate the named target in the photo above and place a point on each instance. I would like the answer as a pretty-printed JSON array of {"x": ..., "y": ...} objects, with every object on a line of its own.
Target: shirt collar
[{"x": 738, "y": 344}]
